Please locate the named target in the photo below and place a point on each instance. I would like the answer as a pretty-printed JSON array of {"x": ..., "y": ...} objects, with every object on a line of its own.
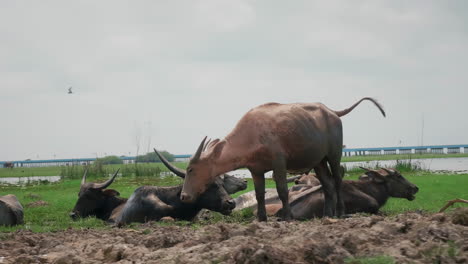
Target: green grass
[
  {"x": 78, "y": 170},
  {"x": 435, "y": 190},
  {"x": 371, "y": 260}
]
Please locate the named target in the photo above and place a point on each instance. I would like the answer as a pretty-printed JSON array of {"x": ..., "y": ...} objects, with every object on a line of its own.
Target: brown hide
[
  {"x": 280, "y": 137},
  {"x": 366, "y": 195},
  {"x": 308, "y": 179},
  {"x": 11, "y": 211}
]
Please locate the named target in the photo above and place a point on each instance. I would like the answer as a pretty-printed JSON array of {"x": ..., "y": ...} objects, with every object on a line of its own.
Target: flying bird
[{"x": 70, "y": 90}]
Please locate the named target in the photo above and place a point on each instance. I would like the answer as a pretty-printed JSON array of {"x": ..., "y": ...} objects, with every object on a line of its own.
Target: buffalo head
[
  {"x": 201, "y": 170},
  {"x": 216, "y": 198},
  {"x": 94, "y": 198},
  {"x": 396, "y": 184},
  {"x": 232, "y": 184}
]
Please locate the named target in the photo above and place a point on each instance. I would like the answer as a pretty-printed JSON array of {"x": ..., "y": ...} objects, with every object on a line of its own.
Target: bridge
[{"x": 432, "y": 149}]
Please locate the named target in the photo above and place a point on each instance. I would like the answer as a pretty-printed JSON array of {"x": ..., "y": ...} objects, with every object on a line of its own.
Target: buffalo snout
[
  {"x": 184, "y": 197},
  {"x": 73, "y": 215},
  {"x": 411, "y": 192},
  {"x": 228, "y": 206}
]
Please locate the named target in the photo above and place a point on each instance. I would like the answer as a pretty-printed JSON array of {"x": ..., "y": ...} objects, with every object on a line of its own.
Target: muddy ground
[{"x": 406, "y": 238}]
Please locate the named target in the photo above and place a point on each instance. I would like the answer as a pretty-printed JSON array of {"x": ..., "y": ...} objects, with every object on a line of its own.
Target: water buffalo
[
  {"x": 11, "y": 211},
  {"x": 280, "y": 137},
  {"x": 152, "y": 203},
  {"x": 8, "y": 165},
  {"x": 365, "y": 195},
  {"x": 303, "y": 182},
  {"x": 231, "y": 184},
  {"x": 95, "y": 200},
  {"x": 308, "y": 179}
]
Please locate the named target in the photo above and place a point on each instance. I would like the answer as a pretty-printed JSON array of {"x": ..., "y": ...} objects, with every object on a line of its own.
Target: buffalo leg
[
  {"x": 259, "y": 183},
  {"x": 338, "y": 177},
  {"x": 279, "y": 172},
  {"x": 329, "y": 190}
]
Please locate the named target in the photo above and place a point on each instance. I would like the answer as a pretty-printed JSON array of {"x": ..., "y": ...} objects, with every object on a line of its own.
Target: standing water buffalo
[
  {"x": 279, "y": 137},
  {"x": 95, "y": 200},
  {"x": 365, "y": 195},
  {"x": 11, "y": 211}
]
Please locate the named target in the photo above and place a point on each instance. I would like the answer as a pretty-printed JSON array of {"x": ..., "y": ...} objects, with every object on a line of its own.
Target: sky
[{"x": 165, "y": 74}]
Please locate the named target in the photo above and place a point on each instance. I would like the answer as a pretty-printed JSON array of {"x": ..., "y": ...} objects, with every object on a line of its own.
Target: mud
[{"x": 406, "y": 238}]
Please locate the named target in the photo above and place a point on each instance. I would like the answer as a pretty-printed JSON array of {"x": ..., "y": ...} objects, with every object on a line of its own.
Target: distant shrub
[
  {"x": 109, "y": 160},
  {"x": 152, "y": 157}
]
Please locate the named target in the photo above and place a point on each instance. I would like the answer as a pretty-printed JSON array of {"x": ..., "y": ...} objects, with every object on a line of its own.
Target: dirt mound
[{"x": 405, "y": 238}]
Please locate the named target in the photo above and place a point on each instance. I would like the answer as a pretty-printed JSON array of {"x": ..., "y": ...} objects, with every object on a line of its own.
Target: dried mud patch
[{"x": 405, "y": 238}]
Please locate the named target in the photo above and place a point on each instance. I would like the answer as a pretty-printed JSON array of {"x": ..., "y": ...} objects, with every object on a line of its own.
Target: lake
[{"x": 452, "y": 165}]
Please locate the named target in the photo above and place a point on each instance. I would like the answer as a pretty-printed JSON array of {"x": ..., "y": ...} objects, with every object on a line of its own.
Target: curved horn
[
  {"x": 366, "y": 169},
  {"x": 174, "y": 169},
  {"x": 206, "y": 145},
  {"x": 387, "y": 170},
  {"x": 291, "y": 179},
  {"x": 107, "y": 183},
  {"x": 199, "y": 150},
  {"x": 83, "y": 181}
]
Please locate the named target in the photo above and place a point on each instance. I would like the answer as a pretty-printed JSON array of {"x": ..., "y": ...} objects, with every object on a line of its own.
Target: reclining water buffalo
[
  {"x": 152, "y": 203},
  {"x": 365, "y": 195},
  {"x": 95, "y": 200},
  {"x": 280, "y": 137},
  {"x": 248, "y": 200},
  {"x": 11, "y": 211}
]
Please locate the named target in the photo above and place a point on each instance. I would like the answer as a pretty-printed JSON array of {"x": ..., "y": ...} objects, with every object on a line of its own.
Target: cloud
[{"x": 193, "y": 68}]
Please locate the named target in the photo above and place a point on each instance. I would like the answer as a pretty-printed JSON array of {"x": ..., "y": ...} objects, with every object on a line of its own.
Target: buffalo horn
[
  {"x": 291, "y": 179},
  {"x": 387, "y": 170},
  {"x": 366, "y": 169},
  {"x": 83, "y": 181},
  {"x": 197, "y": 154},
  {"x": 174, "y": 169},
  {"x": 107, "y": 183},
  {"x": 206, "y": 145}
]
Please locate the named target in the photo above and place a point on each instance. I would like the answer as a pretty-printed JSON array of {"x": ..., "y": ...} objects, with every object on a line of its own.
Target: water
[
  {"x": 26, "y": 180},
  {"x": 452, "y": 165}
]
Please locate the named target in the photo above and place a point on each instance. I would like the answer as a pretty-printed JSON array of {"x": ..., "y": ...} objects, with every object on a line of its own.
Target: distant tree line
[
  {"x": 152, "y": 157},
  {"x": 148, "y": 157}
]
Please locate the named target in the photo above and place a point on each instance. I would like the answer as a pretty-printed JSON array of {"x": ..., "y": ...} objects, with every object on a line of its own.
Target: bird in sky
[{"x": 70, "y": 90}]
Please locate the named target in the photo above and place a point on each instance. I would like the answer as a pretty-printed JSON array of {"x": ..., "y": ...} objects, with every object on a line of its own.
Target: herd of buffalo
[{"x": 285, "y": 138}]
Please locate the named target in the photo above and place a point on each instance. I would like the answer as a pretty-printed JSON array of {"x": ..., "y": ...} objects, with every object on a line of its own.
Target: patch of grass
[
  {"x": 76, "y": 171},
  {"x": 371, "y": 260},
  {"x": 435, "y": 190}
]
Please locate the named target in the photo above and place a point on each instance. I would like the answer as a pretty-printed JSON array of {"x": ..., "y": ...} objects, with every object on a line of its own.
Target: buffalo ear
[
  {"x": 375, "y": 176},
  {"x": 111, "y": 192},
  {"x": 218, "y": 148}
]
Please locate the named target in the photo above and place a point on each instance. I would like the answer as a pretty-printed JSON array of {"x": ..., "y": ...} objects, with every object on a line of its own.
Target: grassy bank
[
  {"x": 155, "y": 168},
  {"x": 77, "y": 171},
  {"x": 435, "y": 190}
]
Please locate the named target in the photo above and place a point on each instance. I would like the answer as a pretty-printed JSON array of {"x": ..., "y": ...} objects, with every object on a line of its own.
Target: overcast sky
[{"x": 170, "y": 72}]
